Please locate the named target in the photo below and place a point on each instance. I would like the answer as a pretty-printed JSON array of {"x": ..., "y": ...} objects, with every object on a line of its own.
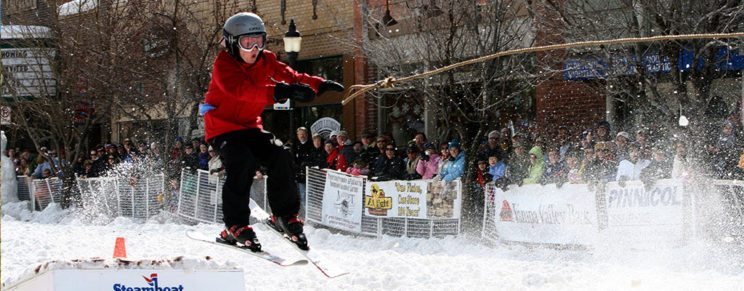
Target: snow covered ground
[{"x": 375, "y": 264}]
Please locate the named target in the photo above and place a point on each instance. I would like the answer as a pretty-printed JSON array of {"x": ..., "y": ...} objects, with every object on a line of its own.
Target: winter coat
[
  {"x": 428, "y": 169},
  {"x": 215, "y": 165},
  {"x": 536, "y": 170},
  {"x": 482, "y": 177},
  {"x": 518, "y": 166},
  {"x": 411, "y": 173},
  {"x": 302, "y": 152},
  {"x": 357, "y": 171},
  {"x": 318, "y": 158},
  {"x": 346, "y": 156},
  {"x": 204, "y": 161},
  {"x": 498, "y": 170},
  {"x": 332, "y": 159},
  {"x": 241, "y": 91},
  {"x": 443, "y": 162},
  {"x": 454, "y": 169},
  {"x": 190, "y": 161},
  {"x": 555, "y": 173},
  {"x": 631, "y": 171},
  {"x": 389, "y": 169}
]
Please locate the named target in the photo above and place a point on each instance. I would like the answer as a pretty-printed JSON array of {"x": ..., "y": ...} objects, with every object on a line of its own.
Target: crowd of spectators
[
  {"x": 504, "y": 157},
  {"x": 107, "y": 158},
  {"x": 595, "y": 155}
]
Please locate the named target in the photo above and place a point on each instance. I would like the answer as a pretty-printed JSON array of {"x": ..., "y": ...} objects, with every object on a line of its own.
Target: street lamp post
[{"x": 292, "y": 46}]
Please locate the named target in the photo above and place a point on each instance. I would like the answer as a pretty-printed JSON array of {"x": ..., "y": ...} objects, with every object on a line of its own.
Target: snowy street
[{"x": 375, "y": 264}]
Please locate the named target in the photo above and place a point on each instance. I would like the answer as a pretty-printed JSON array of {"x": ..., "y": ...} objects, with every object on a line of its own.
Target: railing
[
  {"x": 45, "y": 191},
  {"x": 139, "y": 198},
  {"x": 112, "y": 196},
  {"x": 200, "y": 201},
  {"x": 371, "y": 225},
  {"x": 200, "y": 196}
]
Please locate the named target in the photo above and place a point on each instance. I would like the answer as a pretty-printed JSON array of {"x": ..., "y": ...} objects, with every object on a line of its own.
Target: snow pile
[
  {"x": 9, "y": 186},
  {"x": 389, "y": 263}
]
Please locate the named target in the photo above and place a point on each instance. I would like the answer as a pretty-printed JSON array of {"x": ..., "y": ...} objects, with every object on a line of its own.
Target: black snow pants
[{"x": 242, "y": 152}]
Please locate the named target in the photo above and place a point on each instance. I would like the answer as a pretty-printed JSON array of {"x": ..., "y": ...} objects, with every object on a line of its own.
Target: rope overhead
[{"x": 389, "y": 82}]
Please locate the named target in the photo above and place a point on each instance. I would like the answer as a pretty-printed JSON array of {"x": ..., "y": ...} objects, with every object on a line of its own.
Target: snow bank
[{"x": 388, "y": 263}]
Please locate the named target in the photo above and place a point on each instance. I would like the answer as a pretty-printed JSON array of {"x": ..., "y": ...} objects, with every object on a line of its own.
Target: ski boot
[
  {"x": 291, "y": 227},
  {"x": 242, "y": 236}
]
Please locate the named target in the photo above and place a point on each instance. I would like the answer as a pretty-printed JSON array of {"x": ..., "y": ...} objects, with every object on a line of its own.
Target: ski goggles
[{"x": 249, "y": 41}]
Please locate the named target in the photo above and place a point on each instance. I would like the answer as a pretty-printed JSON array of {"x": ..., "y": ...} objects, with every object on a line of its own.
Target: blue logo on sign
[{"x": 152, "y": 281}]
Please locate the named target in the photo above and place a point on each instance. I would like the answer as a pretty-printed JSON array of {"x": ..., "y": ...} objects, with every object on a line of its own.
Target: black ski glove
[
  {"x": 296, "y": 91},
  {"x": 330, "y": 85}
]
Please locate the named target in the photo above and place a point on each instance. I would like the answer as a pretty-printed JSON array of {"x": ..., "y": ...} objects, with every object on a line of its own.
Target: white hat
[{"x": 624, "y": 134}]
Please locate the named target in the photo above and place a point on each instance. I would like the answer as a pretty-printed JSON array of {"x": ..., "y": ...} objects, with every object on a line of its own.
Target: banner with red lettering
[{"x": 546, "y": 214}]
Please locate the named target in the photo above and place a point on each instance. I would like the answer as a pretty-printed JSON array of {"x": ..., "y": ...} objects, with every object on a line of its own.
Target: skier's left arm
[{"x": 283, "y": 73}]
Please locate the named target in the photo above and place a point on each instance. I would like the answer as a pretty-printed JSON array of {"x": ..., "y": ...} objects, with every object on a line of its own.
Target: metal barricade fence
[
  {"x": 24, "y": 188},
  {"x": 489, "y": 231},
  {"x": 375, "y": 226},
  {"x": 200, "y": 196},
  {"x": 732, "y": 196},
  {"x": 46, "y": 191},
  {"x": 139, "y": 198}
]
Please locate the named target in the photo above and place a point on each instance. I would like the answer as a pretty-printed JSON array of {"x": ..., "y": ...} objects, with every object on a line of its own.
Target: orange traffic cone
[{"x": 120, "y": 250}]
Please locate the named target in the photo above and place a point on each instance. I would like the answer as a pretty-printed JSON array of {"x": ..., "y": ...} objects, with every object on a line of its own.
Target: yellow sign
[{"x": 378, "y": 204}]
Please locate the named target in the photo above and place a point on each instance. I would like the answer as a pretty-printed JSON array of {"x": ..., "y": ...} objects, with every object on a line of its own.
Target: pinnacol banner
[
  {"x": 342, "y": 201},
  {"x": 422, "y": 199},
  {"x": 546, "y": 214},
  {"x": 639, "y": 215}
]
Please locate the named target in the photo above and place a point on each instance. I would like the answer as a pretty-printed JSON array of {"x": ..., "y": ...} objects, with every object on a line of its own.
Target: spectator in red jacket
[{"x": 246, "y": 78}]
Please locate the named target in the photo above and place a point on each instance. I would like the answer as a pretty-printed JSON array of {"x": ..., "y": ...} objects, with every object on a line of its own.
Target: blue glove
[{"x": 204, "y": 108}]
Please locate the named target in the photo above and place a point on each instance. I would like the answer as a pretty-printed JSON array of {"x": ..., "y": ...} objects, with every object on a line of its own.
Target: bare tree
[
  {"x": 145, "y": 60},
  {"x": 653, "y": 84},
  {"x": 467, "y": 102}
]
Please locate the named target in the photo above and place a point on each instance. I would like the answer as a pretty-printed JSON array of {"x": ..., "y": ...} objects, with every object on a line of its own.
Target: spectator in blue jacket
[
  {"x": 456, "y": 167},
  {"x": 496, "y": 167}
]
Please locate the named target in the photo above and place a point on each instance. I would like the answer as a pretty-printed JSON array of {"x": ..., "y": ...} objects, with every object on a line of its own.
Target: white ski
[
  {"x": 324, "y": 265},
  {"x": 262, "y": 254}
]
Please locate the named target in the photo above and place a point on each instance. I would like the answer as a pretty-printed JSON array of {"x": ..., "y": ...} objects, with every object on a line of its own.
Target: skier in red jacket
[{"x": 246, "y": 78}]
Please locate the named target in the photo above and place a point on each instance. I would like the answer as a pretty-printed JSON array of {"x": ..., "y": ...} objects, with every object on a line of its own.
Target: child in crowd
[
  {"x": 496, "y": 167},
  {"x": 481, "y": 174},
  {"x": 360, "y": 167}
]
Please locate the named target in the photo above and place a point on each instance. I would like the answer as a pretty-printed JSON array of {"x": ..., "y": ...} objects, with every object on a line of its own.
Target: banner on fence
[
  {"x": 640, "y": 215},
  {"x": 396, "y": 199},
  {"x": 546, "y": 214},
  {"x": 444, "y": 200},
  {"x": 342, "y": 201}
]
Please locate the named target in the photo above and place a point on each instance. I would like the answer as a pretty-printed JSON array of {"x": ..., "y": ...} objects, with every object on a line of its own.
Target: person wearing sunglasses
[{"x": 246, "y": 78}]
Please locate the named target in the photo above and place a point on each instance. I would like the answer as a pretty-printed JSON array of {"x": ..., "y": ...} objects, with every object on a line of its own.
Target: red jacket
[{"x": 240, "y": 91}]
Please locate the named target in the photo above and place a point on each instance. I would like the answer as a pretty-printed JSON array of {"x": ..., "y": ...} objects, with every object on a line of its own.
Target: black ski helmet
[{"x": 243, "y": 23}]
